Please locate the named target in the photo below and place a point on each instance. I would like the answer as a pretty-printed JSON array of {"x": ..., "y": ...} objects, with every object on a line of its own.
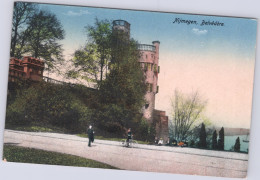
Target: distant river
[{"x": 231, "y": 140}]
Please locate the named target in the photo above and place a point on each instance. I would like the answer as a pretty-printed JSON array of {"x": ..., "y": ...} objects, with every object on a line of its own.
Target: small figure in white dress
[{"x": 160, "y": 141}]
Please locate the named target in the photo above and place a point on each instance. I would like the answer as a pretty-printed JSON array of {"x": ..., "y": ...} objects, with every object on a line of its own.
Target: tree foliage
[
  {"x": 22, "y": 14},
  {"x": 51, "y": 105},
  {"x": 36, "y": 33},
  {"x": 144, "y": 131},
  {"x": 203, "y": 136},
  {"x": 187, "y": 113},
  {"x": 125, "y": 84},
  {"x": 237, "y": 145},
  {"x": 45, "y": 31},
  {"x": 91, "y": 62},
  {"x": 221, "y": 140},
  {"x": 214, "y": 140}
]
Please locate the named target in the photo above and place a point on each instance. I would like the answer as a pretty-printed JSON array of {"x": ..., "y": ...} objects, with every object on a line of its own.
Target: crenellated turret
[{"x": 121, "y": 26}]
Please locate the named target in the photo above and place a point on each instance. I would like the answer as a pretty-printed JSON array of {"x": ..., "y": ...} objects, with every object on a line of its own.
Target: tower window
[
  {"x": 149, "y": 66},
  {"x": 149, "y": 87},
  {"x": 145, "y": 66},
  {"x": 155, "y": 68}
]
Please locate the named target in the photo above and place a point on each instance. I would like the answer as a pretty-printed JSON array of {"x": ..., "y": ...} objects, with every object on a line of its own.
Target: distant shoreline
[{"x": 234, "y": 131}]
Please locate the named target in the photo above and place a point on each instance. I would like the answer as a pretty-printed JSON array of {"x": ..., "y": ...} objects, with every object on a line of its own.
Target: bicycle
[{"x": 132, "y": 143}]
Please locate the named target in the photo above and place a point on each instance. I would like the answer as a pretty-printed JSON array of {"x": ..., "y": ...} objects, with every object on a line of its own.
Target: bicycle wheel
[
  {"x": 134, "y": 143},
  {"x": 123, "y": 142}
]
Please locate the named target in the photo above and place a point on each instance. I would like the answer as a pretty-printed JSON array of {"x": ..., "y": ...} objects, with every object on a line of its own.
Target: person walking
[{"x": 90, "y": 132}]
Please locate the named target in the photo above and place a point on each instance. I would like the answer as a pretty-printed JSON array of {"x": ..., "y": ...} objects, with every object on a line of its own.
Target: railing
[
  {"x": 121, "y": 23},
  {"x": 54, "y": 81},
  {"x": 146, "y": 47}
]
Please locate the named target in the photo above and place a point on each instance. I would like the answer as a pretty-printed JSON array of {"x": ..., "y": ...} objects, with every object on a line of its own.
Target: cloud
[
  {"x": 199, "y": 32},
  {"x": 79, "y": 13}
]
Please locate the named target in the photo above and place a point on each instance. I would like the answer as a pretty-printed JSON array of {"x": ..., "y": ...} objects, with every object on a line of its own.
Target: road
[{"x": 140, "y": 158}]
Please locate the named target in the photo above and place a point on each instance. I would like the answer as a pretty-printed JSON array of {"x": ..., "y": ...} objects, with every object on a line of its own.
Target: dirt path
[{"x": 141, "y": 158}]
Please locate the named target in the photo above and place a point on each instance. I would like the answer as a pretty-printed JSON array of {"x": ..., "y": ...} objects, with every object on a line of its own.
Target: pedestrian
[
  {"x": 156, "y": 140},
  {"x": 168, "y": 141},
  {"x": 160, "y": 142},
  {"x": 90, "y": 132}
]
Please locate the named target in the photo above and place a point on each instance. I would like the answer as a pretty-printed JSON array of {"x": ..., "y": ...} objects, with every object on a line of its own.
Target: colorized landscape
[{"x": 143, "y": 82}]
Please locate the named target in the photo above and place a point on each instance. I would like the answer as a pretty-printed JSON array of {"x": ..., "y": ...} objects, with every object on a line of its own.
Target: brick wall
[
  {"x": 161, "y": 125},
  {"x": 25, "y": 68}
]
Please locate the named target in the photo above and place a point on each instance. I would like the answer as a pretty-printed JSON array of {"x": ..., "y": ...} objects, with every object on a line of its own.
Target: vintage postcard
[{"x": 130, "y": 90}]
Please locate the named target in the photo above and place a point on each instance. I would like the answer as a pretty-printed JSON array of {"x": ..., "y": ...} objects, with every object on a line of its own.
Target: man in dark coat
[{"x": 90, "y": 135}]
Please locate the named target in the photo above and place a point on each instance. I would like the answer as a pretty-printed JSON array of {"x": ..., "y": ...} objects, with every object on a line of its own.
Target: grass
[
  {"x": 110, "y": 139},
  {"x": 34, "y": 129},
  {"x": 29, "y": 155},
  {"x": 37, "y": 128}
]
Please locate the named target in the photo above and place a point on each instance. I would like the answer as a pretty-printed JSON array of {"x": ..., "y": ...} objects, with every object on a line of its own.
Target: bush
[
  {"x": 221, "y": 139},
  {"x": 110, "y": 118},
  {"x": 214, "y": 140},
  {"x": 237, "y": 145},
  {"x": 203, "y": 136},
  {"x": 44, "y": 105},
  {"x": 144, "y": 131},
  {"x": 192, "y": 143}
]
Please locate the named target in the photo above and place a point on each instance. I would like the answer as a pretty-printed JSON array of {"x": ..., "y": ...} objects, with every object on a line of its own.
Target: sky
[{"x": 216, "y": 61}]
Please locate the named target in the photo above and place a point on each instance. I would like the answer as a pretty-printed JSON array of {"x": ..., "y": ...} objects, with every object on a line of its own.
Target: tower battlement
[
  {"x": 121, "y": 26},
  {"x": 25, "y": 68},
  {"x": 146, "y": 47}
]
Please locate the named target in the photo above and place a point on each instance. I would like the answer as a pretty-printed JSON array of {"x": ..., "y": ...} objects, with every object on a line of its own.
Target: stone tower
[
  {"x": 120, "y": 38},
  {"x": 122, "y": 27},
  {"x": 149, "y": 62}
]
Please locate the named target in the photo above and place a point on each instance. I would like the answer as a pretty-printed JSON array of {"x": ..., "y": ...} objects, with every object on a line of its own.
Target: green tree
[
  {"x": 45, "y": 30},
  {"x": 125, "y": 84},
  {"x": 187, "y": 113},
  {"x": 91, "y": 62},
  {"x": 111, "y": 119},
  {"x": 214, "y": 140},
  {"x": 203, "y": 136},
  {"x": 237, "y": 145},
  {"x": 36, "y": 33},
  {"x": 221, "y": 140},
  {"x": 22, "y": 13}
]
